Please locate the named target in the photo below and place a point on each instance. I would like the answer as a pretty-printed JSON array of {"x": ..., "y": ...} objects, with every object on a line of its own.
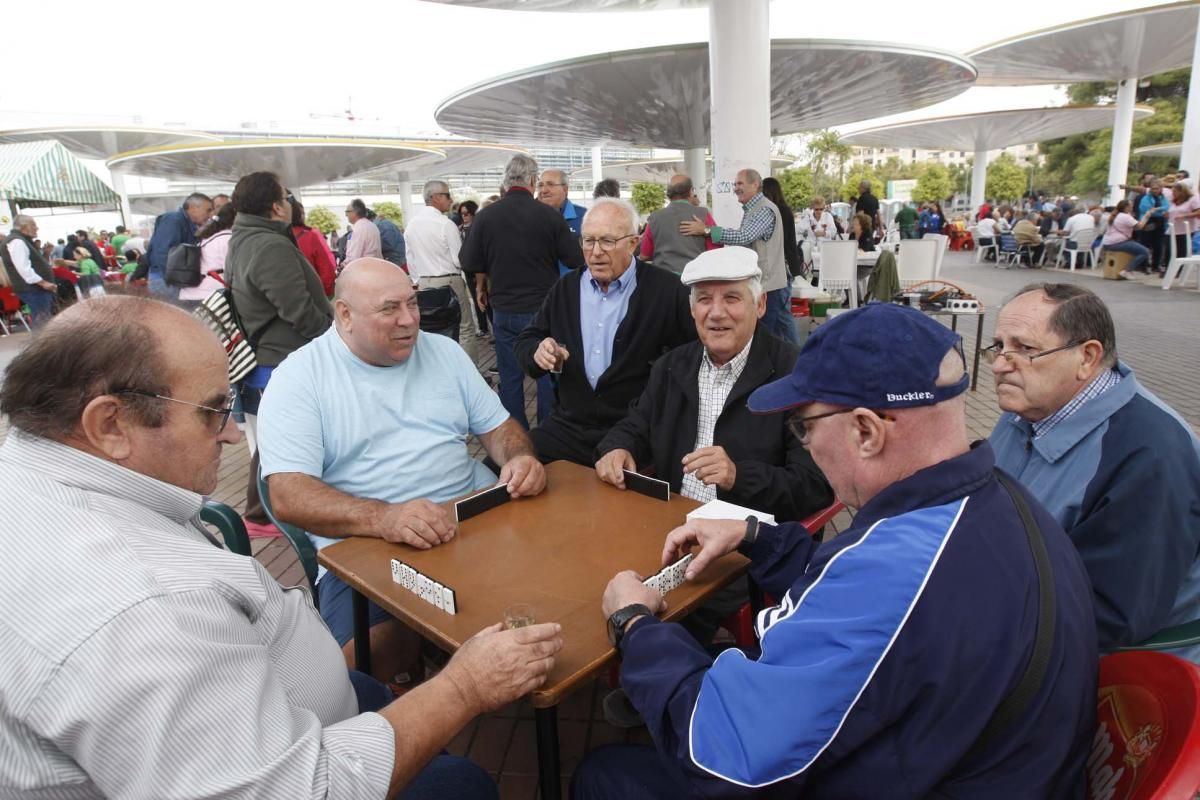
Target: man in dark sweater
[
  {"x": 514, "y": 249},
  {"x": 602, "y": 328}
]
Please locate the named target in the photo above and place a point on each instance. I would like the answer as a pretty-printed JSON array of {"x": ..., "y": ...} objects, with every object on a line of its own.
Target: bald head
[
  {"x": 376, "y": 311},
  {"x": 680, "y": 187}
]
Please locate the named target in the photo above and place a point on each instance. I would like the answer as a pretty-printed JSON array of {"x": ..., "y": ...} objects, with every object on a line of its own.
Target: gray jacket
[{"x": 276, "y": 291}]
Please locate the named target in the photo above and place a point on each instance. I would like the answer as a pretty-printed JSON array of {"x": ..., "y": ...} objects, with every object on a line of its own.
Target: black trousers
[{"x": 559, "y": 440}]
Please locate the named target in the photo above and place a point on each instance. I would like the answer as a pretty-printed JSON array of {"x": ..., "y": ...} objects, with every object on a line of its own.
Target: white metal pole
[
  {"x": 406, "y": 200},
  {"x": 695, "y": 164},
  {"x": 739, "y": 67},
  {"x": 118, "y": 185},
  {"x": 1118, "y": 164},
  {"x": 1189, "y": 159},
  {"x": 597, "y": 165},
  {"x": 979, "y": 180}
]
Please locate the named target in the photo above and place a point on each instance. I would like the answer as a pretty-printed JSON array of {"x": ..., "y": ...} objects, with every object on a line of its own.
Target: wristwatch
[
  {"x": 707, "y": 231},
  {"x": 620, "y": 618},
  {"x": 751, "y": 535}
]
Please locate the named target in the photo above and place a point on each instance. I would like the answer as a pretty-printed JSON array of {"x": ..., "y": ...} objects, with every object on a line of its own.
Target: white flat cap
[{"x": 722, "y": 264}]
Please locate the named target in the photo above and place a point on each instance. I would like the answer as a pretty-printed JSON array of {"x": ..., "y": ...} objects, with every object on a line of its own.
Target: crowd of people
[{"x": 893, "y": 654}]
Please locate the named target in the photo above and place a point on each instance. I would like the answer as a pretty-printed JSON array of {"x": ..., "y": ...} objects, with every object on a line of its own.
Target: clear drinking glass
[{"x": 518, "y": 615}]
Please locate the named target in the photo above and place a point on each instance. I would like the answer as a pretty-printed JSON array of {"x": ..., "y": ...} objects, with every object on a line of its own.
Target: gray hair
[
  {"x": 1079, "y": 316},
  {"x": 21, "y": 220},
  {"x": 434, "y": 187},
  {"x": 615, "y": 202},
  {"x": 752, "y": 175},
  {"x": 521, "y": 170},
  {"x": 754, "y": 284},
  {"x": 195, "y": 199},
  {"x": 680, "y": 189},
  {"x": 1032, "y": 216}
]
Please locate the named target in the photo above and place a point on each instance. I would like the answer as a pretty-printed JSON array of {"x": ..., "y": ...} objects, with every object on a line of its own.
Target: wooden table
[{"x": 557, "y": 552}]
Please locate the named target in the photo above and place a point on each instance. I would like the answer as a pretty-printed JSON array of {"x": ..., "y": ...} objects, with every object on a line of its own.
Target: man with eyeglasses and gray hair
[
  {"x": 1117, "y": 467},
  {"x": 599, "y": 330},
  {"x": 942, "y": 645},
  {"x": 433, "y": 247},
  {"x": 515, "y": 247}
]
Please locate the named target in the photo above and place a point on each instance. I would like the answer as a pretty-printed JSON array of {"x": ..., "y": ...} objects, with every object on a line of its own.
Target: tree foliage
[
  {"x": 849, "y": 189},
  {"x": 1005, "y": 179},
  {"x": 322, "y": 219},
  {"x": 797, "y": 185},
  {"x": 390, "y": 211},
  {"x": 933, "y": 184},
  {"x": 1079, "y": 164},
  {"x": 648, "y": 197},
  {"x": 827, "y": 158}
]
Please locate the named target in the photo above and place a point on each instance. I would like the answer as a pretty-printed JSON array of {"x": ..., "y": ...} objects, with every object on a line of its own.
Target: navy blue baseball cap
[{"x": 878, "y": 356}]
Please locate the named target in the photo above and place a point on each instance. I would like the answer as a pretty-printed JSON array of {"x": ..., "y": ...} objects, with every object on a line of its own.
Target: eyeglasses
[
  {"x": 222, "y": 414},
  {"x": 607, "y": 243},
  {"x": 1011, "y": 356},
  {"x": 546, "y": 184},
  {"x": 800, "y": 430}
]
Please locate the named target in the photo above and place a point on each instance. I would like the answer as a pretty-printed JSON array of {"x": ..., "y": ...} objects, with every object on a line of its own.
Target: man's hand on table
[
  {"x": 625, "y": 589},
  {"x": 419, "y": 523},
  {"x": 711, "y": 466},
  {"x": 495, "y": 666},
  {"x": 612, "y": 465},
  {"x": 524, "y": 475},
  {"x": 715, "y": 537}
]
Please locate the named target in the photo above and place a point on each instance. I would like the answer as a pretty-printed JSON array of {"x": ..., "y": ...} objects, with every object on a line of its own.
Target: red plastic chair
[
  {"x": 10, "y": 306},
  {"x": 741, "y": 622},
  {"x": 1147, "y": 743}
]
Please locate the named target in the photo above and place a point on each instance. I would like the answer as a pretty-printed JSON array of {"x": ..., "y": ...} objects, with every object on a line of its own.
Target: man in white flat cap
[{"x": 691, "y": 422}]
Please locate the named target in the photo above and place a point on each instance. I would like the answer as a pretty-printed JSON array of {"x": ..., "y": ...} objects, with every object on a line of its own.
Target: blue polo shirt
[
  {"x": 573, "y": 214},
  {"x": 391, "y": 433}
]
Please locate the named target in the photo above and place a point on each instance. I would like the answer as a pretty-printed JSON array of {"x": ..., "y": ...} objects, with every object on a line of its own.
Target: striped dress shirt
[
  {"x": 137, "y": 660},
  {"x": 714, "y": 383}
]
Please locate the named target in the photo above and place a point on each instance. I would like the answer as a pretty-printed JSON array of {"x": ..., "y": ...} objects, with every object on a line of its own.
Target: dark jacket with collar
[
  {"x": 276, "y": 291},
  {"x": 775, "y": 474},
  {"x": 658, "y": 319},
  {"x": 519, "y": 241},
  {"x": 170, "y": 228},
  {"x": 892, "y": 646}
]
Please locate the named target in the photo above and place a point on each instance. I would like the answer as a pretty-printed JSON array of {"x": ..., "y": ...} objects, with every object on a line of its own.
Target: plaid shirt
[
  {"x": 1101, "y": 384},
  {"x": 757, "y": 223},
  {"x": 715, "y": 384}
]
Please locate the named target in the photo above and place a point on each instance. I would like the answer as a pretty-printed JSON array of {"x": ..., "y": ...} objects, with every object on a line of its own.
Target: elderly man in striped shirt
[{"x": 133, "y": 640}]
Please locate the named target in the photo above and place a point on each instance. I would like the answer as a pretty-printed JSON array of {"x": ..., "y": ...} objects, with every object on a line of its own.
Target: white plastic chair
[
  {"x": 944, "y": 241},
  {"x": 917, "y": 260},
  {"x": 981, "y": 249},
  {"x": 1181, "y": 264},
  {"x": 839, "y": 269},
  {"x": 1083, "y": 239}
]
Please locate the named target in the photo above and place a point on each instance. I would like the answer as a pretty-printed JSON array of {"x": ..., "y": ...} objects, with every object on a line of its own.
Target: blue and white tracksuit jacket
[
  {"x": 1122, "y": 476},
  {"x": 891, "y": 648}
]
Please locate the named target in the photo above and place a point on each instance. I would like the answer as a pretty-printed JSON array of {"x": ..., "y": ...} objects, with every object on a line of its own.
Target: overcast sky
[{"x": 214, "y": 65}]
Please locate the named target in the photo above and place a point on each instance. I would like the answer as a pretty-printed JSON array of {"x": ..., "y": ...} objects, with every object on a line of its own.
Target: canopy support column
[
  {"x": 406, "y": 204},
  {"x": 979, "y": 180},
  {"x": 695, "y": 164},
  {"x": 739, "y": 66},
  {"x": 1189, "y": 159},
  {"x": 1118, "y": 165},
  {"x": 118, "y": 185}
]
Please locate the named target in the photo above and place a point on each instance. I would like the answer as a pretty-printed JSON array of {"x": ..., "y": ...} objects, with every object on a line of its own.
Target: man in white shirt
[
  {"x": 364, "y": 236},
  {"x": 433, "y": 245},
  {"x": 1080, "y": 220},
  {"x": 28, "y": 272},
  {"x": 133, "y": 638}
]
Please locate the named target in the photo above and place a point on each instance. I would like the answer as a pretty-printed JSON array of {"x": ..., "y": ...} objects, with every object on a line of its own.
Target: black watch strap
[
  {"x": 751, "y": 535},
  {"x": 620, "y": 618}
]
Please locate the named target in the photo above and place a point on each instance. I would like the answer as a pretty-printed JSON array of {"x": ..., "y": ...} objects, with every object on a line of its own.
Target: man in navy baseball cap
[{"x": 894, "y": 654}]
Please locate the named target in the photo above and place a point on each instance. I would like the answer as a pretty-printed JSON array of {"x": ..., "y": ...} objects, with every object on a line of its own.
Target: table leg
[
  {"x": 546, "y": 723},
  {"x": 978, "y": 344},
  {"x": 362, "y": 632}
]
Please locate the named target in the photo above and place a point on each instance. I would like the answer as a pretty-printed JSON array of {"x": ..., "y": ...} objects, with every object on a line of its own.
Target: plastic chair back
[
  {"x": 839, "y": 269},
  {"x": 1180, "y": 264},
  {"x": 1148, "y": 729},
  {"x": 230, "y": 525},
  {"x": 917, "y": 260},
  {"x": 298, "y": 538}
]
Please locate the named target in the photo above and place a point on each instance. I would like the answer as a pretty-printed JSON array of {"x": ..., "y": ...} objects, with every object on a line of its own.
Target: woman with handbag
[
  {"x": 278, "y": 296},
  {"x": 214, "y": 247}
]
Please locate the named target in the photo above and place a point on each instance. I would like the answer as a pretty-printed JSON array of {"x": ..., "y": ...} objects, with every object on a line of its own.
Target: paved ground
[{"x": 1158, "y": 334}]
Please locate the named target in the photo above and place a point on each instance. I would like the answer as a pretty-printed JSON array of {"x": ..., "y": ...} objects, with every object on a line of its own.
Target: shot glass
[{"x": 518, "y": 615}]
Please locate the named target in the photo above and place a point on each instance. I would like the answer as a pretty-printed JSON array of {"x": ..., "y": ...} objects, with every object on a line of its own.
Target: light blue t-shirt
[{"x": 388, "y": 433}]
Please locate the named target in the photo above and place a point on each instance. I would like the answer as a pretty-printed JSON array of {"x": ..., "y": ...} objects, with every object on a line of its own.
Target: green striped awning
[{"x": 44, "y": 174}]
